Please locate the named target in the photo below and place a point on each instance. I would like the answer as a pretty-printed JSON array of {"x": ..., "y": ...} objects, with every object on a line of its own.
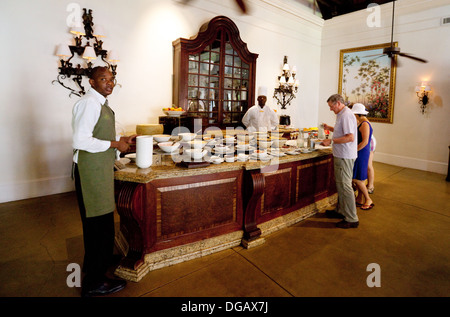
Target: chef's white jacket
[{"x": 260, "y": 119}]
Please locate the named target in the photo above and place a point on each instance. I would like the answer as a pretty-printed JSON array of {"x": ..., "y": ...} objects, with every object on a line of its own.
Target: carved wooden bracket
[
  {"x": 130, "y": 203},
  {"x": 251, "y": 231}
]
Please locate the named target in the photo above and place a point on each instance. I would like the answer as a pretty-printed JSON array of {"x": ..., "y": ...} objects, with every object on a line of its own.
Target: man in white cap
[{"x": 260, "y": 117}]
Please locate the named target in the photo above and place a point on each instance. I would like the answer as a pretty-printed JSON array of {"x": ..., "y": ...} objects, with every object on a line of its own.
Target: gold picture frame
[{"x": 367, "y": 76}]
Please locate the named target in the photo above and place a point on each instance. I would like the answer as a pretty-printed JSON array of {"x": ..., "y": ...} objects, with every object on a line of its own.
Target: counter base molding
[
  {"x": 170, "y": 220},
  {"x": 175, "y": 255},
  {"x": 292, "y": 218}
]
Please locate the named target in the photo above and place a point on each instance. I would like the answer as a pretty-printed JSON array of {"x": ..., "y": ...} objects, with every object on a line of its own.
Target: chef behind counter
[{"x": 260, "y": 117}]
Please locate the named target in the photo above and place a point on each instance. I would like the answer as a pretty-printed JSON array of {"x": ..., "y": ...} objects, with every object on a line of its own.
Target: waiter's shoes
[
  {"x": 346, "y": 225},
  {"x": 105, "y": 287}
]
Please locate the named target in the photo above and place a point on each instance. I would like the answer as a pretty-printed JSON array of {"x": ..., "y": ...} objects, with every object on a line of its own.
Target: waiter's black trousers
[{"x": 98, "y": 237}]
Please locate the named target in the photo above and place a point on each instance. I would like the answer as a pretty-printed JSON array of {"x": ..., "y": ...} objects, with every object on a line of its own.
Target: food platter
[{"x": 174, "y": 113}]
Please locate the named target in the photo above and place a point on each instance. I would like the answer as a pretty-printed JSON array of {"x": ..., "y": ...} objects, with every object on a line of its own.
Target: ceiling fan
[
  {"x": 240, "y": 3},
  {"x": 394, "y": 51}
]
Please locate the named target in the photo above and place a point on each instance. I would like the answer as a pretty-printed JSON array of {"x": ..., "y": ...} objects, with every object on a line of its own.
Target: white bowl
[
  {"x": 279, "y": 142},
  {"x": 197, "y": 144},
  {"x": 221, "y": 149},
  {"x": 241, "y": 157},
  {"x": 169, "y": 147},
  {"x": 228, "y": 140},
  {"x": 245, "y": 137},
  {"x": 261, "y": 134},
  {"x": 161, "y": 137},
  {"x": 276, "y": 134},
  {"x": 264, "y": 144},
  {"x": 171, "y": 113},
  {"x": 229, "y": 158},
  {"x": 196, "y": 153},
  {"x": 186, "y": 137},
  {"x": 259, "y": 153},
  {"x": 216, "y": 159},
  {"x": 242, "y": 146}
]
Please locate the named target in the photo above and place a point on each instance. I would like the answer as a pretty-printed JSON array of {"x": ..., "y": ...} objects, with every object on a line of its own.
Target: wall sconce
[
  {"x": 287, "y": 85},
  {"x": 422, "y": 92},
  {"x": 87, "y": 33}
]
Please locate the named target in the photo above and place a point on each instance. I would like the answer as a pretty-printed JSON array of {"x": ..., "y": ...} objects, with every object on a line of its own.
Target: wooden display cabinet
[{"x": 214, "y": 74}]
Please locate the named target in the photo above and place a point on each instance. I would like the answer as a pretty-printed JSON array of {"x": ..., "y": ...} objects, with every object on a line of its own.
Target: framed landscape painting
[{"x": 367, "y": 76}]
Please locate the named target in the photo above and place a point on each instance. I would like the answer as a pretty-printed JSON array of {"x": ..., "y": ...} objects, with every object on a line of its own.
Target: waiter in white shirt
[
  {"x": 260, "y": 117},
  {"x": 94, "y": 143}
]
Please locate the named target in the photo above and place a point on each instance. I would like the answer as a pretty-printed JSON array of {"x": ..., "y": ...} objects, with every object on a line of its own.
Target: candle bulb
[{"x": 291, "y": 81}]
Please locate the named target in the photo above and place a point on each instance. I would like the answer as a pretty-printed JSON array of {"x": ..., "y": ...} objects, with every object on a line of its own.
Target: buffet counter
[{"x": 170, "y": 214}]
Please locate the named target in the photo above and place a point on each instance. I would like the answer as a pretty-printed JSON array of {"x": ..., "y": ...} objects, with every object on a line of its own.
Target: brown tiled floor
[{"x": 406, "y": 233}]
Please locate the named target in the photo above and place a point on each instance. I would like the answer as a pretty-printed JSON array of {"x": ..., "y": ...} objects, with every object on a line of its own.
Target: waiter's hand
[
  {"x": 121, "y": 145},
  {"x": 129, "y": 139},
  {"x": 326, "y": 142}
]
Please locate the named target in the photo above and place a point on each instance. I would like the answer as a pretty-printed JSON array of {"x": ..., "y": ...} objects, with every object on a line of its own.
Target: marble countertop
[{"x": 165, "y": 167}]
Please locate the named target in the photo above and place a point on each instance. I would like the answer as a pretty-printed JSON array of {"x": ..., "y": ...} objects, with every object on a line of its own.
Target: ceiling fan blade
[
  {"x": 242, "y": 5},
  {"x": 413, "y": 57},
  {"x": 382, "y": 55},
  {"x": 373, "y": 55}
]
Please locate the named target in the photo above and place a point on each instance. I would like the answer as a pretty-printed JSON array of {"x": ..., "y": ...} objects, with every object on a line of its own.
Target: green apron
[{"x": 97, "y": 169}]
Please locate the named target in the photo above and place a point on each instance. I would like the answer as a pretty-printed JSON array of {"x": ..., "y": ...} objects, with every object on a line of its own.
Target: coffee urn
[{"x": 285, "y": 120}]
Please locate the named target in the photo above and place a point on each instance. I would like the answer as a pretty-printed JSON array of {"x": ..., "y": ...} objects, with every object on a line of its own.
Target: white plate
[
  {"x": 278, "y": 154},
  {"x": 265, "y": 157},
  {"x": 131, "y": 156},
  {"x": 321, "y": 147},
  {"x": 124, "y": 160},
  {"x": 292, "y": 152},
  {"x": 223, "y": 151}
]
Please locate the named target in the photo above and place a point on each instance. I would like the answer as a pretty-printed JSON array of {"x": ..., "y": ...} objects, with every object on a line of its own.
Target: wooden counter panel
[
  {"x": 313, "y": 180},
  {"x": 193, "y": 207},
  {"x": 295, "y": 185},
  {"x": 277, "y": 190}
]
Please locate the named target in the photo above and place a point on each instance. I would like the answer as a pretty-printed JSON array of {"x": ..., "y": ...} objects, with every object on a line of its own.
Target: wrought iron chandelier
[
  {"x": 287, "y": 85},
  {"x": 87, "y": 51}
]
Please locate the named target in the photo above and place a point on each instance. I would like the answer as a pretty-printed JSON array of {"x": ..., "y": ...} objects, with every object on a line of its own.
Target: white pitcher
[{"x": 144, "y": 151}]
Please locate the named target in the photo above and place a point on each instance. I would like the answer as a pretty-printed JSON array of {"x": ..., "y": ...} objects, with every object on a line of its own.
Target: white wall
[
  {"x": 412, "y": 140},
  {"x": 35, "y": 116}
]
